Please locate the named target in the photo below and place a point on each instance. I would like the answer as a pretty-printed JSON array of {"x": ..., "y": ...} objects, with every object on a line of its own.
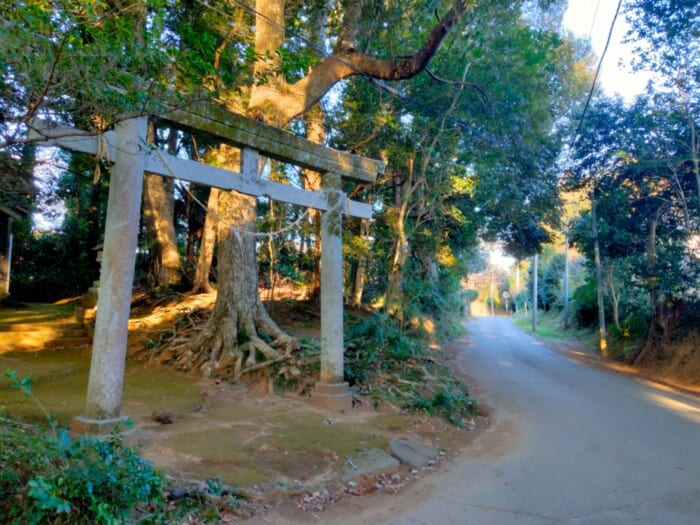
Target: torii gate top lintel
[
  {"x": 238, "y": 131},
  {"x": 272, "y": 142}
]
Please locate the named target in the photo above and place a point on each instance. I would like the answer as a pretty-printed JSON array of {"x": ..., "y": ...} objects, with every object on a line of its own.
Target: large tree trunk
[
  {"x": 394, "y": 290},
  {"x": 230, "y": 344},
  {"x": 206, "y": 246},
  {"x": 158, "y": 210},
  {"x": 280, "y": 106},
  {"x": 312, "y": 181},
  {"x": 614, "y": 294},
  {"x": 361, "y": 270},
  {"x": 650, "y": 352},
  {"x": 159, "y": 214},
  {"x": 195, "y": 216},
  {"x": 315, "y": 132}
]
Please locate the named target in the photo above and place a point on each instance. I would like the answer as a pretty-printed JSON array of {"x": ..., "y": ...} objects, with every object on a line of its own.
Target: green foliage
[
  {"x": 70, "y": 57},
  {"x": 24, "y": 385},
  {"x": 48, "y": 268},
  {"x": 584, "y": 307},
  {"x": 451, "y": 402},
  {"x": 54, "y": 478},
  {"x": 550, "y": 292},
  {"x": 57, "y": 479},
  {"x": 63, "y": 263},
  {"x": 389, "y": 364},
  {"x": 634, "y": 160},
  {"x": 667, "y": 34}
]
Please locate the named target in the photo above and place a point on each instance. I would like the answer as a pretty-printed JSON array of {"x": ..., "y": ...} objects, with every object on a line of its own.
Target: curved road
[{"x": 568, "y": 444}]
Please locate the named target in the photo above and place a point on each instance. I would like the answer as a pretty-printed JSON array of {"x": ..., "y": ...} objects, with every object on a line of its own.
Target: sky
[{"x": 593, "y": 18}]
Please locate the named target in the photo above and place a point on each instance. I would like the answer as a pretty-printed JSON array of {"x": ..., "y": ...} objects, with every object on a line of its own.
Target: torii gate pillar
[
  {"x": 103, "y": 405},
  {"x": 331, "y": 392}
]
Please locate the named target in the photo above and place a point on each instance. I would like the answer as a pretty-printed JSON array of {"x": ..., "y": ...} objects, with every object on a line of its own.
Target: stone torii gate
[{"x": 126, "y": 147}]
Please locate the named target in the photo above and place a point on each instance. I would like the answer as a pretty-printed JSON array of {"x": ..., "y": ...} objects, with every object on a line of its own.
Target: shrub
[
  {"x": 50, "y": 477},
  {"x": 46, "y": 476},
  {"x": 386, "y": 363},
  {"x": 53, "y": 478}
]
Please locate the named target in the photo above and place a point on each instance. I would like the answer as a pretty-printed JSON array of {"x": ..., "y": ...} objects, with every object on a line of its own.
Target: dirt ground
[{"x": 273, "y": 448}]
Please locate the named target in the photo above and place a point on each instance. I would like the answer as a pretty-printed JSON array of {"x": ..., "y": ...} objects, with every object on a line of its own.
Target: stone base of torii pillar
[
  {"x": 100, "y": 427},
  {"x": 332, "y": 396}
]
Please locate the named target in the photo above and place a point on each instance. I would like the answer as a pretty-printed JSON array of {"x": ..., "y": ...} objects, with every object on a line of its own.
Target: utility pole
[
  {"x": 491, "y": 292},
  {"x": 517, "y": 283},
  {"x": 603, "y": 334},
  {"x": 566, "y": 278},
  {"x": 534, "y": 293}
]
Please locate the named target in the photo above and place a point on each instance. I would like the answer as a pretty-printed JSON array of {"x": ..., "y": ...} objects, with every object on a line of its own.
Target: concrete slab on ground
[
  {"x": 371, "y": 462},
  {"x": 411, "y": 453}
]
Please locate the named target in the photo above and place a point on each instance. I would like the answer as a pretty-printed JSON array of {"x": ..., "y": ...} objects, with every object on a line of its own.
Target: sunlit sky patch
[{"x": 592, "y": 18}]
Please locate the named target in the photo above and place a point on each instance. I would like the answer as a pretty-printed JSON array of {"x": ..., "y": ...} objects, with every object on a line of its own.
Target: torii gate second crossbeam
[{"x": 132, "y": 158}]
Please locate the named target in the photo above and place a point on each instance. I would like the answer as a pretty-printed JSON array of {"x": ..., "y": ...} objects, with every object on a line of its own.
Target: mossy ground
[{"x": 220, "y": 430}]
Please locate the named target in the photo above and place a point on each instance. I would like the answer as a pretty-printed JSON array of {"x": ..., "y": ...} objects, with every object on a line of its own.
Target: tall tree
[
  {"x": 232, "y": 338},
  {"x": 667, "y": 38},
  {"x": 632, "y": 156},
  {"x": 159, "y": 214}
]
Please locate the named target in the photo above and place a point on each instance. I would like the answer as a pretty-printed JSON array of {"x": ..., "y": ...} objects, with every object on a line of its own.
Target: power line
[
  {"x": 595, "y": 77},
  {"x": 593, "y": 20}
]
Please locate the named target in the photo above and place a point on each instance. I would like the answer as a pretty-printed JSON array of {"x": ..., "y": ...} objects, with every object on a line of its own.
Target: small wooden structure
[{"x": 132, "y": 156}]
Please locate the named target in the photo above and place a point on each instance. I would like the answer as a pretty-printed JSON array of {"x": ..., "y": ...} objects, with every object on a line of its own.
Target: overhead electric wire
[
  {"x": 593, "y": 20},
  {"x": 595, "y": 77}
]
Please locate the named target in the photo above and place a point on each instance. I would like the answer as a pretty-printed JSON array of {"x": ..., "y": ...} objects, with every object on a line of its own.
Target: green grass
[
  {"x": 37, "y": 313},
  {"x": 550, "y": 326}
]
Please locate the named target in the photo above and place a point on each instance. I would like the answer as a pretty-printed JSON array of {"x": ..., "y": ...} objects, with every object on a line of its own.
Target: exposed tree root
[{"x": 228, "y": 350}]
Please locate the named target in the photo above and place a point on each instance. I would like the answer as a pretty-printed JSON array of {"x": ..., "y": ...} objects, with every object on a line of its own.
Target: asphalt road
[{"x": 568, "y": 444}]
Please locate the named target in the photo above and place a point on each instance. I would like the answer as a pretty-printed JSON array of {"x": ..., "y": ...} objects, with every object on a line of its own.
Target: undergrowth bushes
[
  {"x": 389, "y": 364},
  {"x": 53, "y": 478},
  {"x": 47, "y": 476}
]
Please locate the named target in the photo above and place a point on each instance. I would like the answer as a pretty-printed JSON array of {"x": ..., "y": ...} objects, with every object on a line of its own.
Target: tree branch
[{"x": 346, "y": 62}]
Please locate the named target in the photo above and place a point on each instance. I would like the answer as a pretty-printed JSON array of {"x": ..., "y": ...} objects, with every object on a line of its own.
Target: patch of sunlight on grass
[
  {"x": 37, "y": 313},
  {"x": 545, "y": 328}
]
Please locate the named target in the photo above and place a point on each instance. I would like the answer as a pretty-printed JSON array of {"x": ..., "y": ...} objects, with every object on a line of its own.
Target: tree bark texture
[
  {"x": 394, "y": 291},
  {"x": 206, "y": 246},
  {"x": 344, "y": 62},
  {"x": 230, "y": 344},
  {"x": 312, "y": 182},
  {"x": 361, "y": 270},
  {"x": 614, "y": 295},
  {"x": 159, "y": 213},
  {"x": 650, "y": 351}
]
